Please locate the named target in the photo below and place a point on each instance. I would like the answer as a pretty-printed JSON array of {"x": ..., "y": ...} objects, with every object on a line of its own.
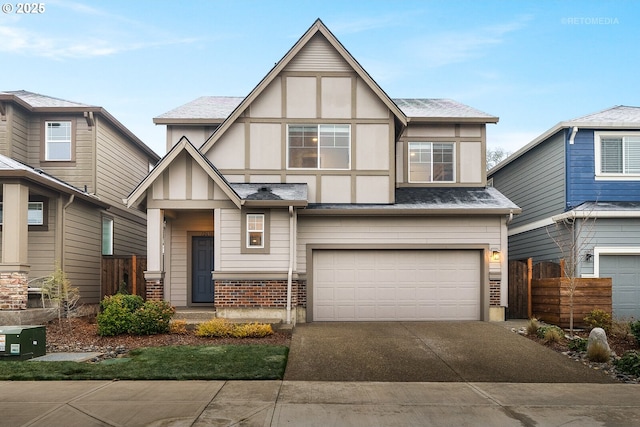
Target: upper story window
[
  {"x": 58, "y": 141},
  {"x": 617, "y": 155},
  {"x": 431, "y": 162},
  {"x": 319, "y": 146}
]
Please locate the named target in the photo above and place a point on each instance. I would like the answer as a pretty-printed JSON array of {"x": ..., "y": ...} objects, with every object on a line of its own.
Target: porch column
[
  {"x": 154, "y": 276},
  {"x": 14, "y": 268}
]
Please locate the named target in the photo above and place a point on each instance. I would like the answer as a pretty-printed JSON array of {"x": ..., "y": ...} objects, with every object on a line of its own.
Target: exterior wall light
[{"x": 495, "y": 255}]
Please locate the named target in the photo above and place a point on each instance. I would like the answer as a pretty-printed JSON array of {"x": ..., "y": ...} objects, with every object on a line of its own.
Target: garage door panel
[
  {"x": 624, "y": 271},
  {"x": 397, "y": 285}
]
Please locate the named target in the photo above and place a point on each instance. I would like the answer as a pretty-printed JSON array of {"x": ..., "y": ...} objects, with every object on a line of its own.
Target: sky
[{"x": 531, "y": 63}]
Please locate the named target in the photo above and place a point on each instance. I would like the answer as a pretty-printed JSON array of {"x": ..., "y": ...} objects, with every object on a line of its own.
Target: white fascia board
[{"x": 530, "y": 226}]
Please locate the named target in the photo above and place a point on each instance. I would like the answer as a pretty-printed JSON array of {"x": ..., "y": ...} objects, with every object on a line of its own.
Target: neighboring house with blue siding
[{"x": 585, "y": 170}]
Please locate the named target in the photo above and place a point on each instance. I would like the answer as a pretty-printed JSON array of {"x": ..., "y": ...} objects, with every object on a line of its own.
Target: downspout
[
  {"x": 62, "y": 226},
  {"x": 290, "y": 270},
  {"x": 572, "y": 138}
]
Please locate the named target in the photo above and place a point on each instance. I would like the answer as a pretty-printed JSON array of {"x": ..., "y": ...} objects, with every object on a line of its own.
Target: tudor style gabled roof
[
  {"x": 318, "y": 27},
  {"x": 184, "y": 145}
]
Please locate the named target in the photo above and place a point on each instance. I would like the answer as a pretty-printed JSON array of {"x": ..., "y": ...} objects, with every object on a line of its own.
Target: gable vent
[{"x": 318, "y": 55}]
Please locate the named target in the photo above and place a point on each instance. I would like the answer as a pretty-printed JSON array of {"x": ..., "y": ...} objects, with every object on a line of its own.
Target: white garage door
[
  {"x": 362, "y": 285},
  {"x": 624, "y": 271}
]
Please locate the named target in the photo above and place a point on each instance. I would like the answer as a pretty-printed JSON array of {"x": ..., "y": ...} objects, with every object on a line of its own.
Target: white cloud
[
  {"x": 95, "y": 33},
  {"x": 453, "y": 47}
]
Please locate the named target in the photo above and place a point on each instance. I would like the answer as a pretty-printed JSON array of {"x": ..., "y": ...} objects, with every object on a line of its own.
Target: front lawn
[{"x": 182, "y": 362}]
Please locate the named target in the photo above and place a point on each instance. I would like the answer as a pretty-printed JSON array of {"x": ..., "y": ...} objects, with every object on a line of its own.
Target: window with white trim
[
  {"x": 35, "y": 213},
  {"x": 326, "y": 146},
  {"x": 57, "y": 142},
  {"x": 255, "y": 230},
  {"x": 107, "y": 235},
  {"x": 431, "y": 162},
  {"x": 617, "y": 154}
]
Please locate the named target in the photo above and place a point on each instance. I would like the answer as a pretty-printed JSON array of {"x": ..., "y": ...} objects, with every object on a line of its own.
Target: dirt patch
[{"x": 80, "y": 334}]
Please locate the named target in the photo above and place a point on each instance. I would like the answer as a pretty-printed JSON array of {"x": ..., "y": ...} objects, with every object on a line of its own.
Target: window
[
  {"x": 35, "y": 214},
  {"x": 57, "y": 143},
  {"x": 255, "y": 231},
  {"x": 617, "y": 154},
  {"x": 431, "y": 162},
  {"x": 107, "y": 236},
  {"x": 319, "y": 146}
]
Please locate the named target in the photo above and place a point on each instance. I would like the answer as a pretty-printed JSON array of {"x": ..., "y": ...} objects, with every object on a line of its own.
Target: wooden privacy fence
[
  {"x": 124, "y": 273},
  {"x": 521, "y": 274},
  {"x": 540, "y": 291},
  {"x": 551, "y": 299}
]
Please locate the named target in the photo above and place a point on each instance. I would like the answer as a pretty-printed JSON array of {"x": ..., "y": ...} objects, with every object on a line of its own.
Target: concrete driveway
[{"x": 427, "y": 352}]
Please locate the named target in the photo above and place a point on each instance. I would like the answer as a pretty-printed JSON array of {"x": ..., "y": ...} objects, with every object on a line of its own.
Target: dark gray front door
[{"x": 201, "y": 268}]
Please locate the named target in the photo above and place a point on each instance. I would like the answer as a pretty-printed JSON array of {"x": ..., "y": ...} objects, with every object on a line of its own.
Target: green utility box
[{"x": 22, "y": 342}]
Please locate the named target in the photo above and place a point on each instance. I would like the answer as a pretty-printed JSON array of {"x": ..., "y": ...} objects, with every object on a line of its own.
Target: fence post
[{"x": 134, "y": 275}]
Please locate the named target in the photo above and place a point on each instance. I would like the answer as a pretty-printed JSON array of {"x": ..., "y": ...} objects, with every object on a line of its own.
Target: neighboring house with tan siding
[
  {"x": 64, "y": 169},
  {"x": 318, "y": 198}
]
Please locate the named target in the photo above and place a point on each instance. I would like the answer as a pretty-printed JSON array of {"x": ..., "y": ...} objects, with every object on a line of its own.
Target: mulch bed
[{"x": 80, "y": 334}]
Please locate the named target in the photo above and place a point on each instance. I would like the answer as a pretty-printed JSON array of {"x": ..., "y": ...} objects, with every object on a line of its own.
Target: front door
[{"x": 201, "y": 268}]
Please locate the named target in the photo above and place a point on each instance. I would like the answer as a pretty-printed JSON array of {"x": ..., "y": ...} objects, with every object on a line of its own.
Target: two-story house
[
  {"x": 64, "y": 169},
  {"x": 582, "y": 176},
  {"x": 317, "y": 197}
]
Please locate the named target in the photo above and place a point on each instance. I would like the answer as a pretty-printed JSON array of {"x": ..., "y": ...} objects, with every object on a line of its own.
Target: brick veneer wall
[
  {"x": 14, "y": 292},
  {"x": 258, "y": 293},
  {"x": 155, "y": 290},
  {"x": 494, "y": 292}
]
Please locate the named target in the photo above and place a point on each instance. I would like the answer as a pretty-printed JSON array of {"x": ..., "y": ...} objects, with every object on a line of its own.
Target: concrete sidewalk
[{"x": 303, "y": 403}]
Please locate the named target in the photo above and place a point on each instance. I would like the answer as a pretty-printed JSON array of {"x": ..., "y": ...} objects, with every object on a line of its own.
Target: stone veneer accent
[
  {"x": 14, "y": 292},
  {"x": 258, "y": 293},
  {"x": 494, "y": 292}
]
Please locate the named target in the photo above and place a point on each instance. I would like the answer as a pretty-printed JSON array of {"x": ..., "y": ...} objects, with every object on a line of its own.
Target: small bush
[
  {"x": 598, "y": 353},
  {"x": 622, "y": 330},
  {"x": 178, "y": 327},
  {"x": 550, "y": 333},
  {"x": 599, "y": 319},
  {"x": 533, "y": 326},
  {"x": 629, "y": 363},
  {"x": 635, "y": 330},
  {"x": 219, "y": 328},
  {"x": 152, "y": 318},
  {"x": 222, "y": 328},
  {"x": 122, "y": 314},
  {"x": 578, "y": 344},
  {"x": 553, "y": 334},
  {"x": 116, "y": 316},
  {"x": 253, "y": 330}
]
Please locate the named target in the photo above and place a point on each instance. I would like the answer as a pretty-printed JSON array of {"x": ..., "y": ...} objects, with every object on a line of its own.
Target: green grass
[{"x": 224, "y": 362}]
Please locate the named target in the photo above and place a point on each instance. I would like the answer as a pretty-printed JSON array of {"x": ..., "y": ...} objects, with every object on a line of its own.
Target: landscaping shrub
[
  {"x": 152, "y": 318},
  {"x": 116, "y": 314},
  {"x": 121, "y": 314},
  {"x": 599, "y": 319},
  {"x": 598, "y": 353},
  {"x": 218, "y": 327},
  {"x": 578, "y": 344},
  {"x": 253, "y": 330},
  {"x": 629, "y": 363},
  {"x": 178, "y": 327},
  {"x": 221, "y": 328},
  {"x": 553, "y": 334},
  {"x": 533, "y": 326},
  {"x": 550, "y": 333}
]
